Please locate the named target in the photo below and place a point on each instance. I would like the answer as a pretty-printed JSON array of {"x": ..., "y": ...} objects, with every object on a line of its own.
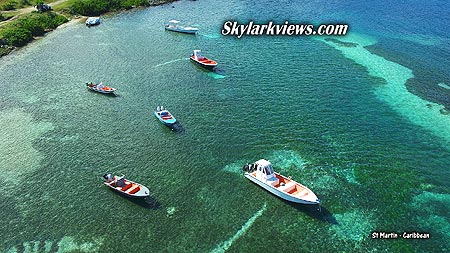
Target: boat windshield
[{"x": 268, "y": 170}]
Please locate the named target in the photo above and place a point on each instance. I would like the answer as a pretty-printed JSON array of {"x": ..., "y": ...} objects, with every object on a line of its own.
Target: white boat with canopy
[
  {"x": 173, "y": 25},
  {"x": 204, "y": 62},
  {"x": 262, "y": 173}
]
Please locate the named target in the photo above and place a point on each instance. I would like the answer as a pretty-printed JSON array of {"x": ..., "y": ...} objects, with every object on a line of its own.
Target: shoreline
[{"x": 78, "y": 18}]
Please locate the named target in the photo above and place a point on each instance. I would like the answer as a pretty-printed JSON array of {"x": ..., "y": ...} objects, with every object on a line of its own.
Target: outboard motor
[
  {"x": 245, "y": 168},
  {"x": 162, "y": 108},
  {"x": 158, "y": 109},
  {"x": 108, "y": 177}
]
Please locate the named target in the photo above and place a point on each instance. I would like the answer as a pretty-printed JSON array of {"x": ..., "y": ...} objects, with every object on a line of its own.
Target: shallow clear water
[{"x": 361, "y": 126}]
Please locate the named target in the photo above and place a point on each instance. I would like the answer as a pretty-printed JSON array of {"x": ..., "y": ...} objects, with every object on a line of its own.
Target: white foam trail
[
  {"x": 226, "y": 244},
  {"x": 169, "y": 62},
  {"x": 443, "y": 85},
  {"x": 211, "y": 36},
  {"x": 215, "y": 75}
]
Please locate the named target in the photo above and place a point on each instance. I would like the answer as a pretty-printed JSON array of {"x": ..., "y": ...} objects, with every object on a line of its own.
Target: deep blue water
[{"x": 365, "y": 127}]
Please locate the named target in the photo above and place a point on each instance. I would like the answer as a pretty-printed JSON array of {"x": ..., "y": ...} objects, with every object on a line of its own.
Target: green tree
[
  {"x": 25, "y": 2},
  {"x": 16, "y": 36},
  {"x": 33, "y": 25},
  {"x": 97, "y": 7},
  {"x": 11, "y": 5}
]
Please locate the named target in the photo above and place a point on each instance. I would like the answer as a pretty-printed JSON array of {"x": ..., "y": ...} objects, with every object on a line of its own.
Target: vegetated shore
[{"x": 29, "y": 26}]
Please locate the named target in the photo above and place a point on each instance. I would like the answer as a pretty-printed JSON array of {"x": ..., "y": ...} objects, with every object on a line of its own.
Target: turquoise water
[{"x": 362, "y": 126}]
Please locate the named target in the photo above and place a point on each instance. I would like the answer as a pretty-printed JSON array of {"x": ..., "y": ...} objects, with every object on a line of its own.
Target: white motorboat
[
  {"x": 101, "y": 88},
  {"x": 175, "y": 27},
  {"x": 261, "y": 173},
  {"x": 164, "y": 116},
  {"x": 125, "y": 186},
  {"x": 92, "y": 21}
]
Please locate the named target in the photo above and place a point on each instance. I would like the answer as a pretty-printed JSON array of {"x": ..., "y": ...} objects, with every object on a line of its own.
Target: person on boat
[
  {"x": 120, "y": 182},
  {"x": 109, "y": 178}
]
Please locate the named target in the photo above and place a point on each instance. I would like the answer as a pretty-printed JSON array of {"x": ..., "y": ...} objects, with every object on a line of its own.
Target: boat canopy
[
  {"x": 265, "y": 167},
  {"x": 174, "y": 21},
  {"x": 198, "y": 54}
]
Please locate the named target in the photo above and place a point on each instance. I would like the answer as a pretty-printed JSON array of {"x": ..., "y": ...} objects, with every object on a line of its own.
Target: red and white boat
[
  {"x": 125, "y": 186},
  {"x": 203, "y": 61},
  {"x": 101, "y": 88},
  {"x": 261, "y": 173}
]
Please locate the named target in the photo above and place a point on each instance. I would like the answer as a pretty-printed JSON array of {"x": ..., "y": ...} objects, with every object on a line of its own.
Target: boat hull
[
  {"x": 101, "y": 88},
  {"x": 112, "y": 91},
  {"x": 209, "y": 67},
  {"x": 142, "y": 193},
  {"x": 169, "y": 122},
  {"x": 181, "y": 30},
  {"x": 279, "y": 193}
]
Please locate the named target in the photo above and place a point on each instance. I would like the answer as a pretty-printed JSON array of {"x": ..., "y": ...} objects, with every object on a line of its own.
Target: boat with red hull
[{"x": 203, "y": 61}]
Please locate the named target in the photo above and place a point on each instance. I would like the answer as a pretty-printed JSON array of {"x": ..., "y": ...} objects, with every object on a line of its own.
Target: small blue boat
[{"x": 164, "y": 116}]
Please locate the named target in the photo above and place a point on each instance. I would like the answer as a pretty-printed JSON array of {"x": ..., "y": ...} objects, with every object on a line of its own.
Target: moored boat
[
  {"x": 125, "y": 186},
  {"x": 175, "y": 27},
  {"x": 165, "y": 116},
  {"x": 203, "y": 61},
  {"x": 261, "y": 173},
  {"x": 92, "y": 21},
  {"x": 100, "y": 88}
]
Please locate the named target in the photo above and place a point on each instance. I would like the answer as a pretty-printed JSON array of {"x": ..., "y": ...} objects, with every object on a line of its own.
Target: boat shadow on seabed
[
  {"x": 216, "y": 72},
  {"x": 314, "y": 211},
  {"x": 177, "y": 128},
  {"x": 148, "y": 202}
]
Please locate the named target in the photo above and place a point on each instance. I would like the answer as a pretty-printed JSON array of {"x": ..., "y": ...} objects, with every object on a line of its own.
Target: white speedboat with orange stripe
[
  {"x": 261, "y": 173},
  {"x": 101, "y": 88},
  {"x": 125, "y": 186},
  {"x": 203, "y": 61}
]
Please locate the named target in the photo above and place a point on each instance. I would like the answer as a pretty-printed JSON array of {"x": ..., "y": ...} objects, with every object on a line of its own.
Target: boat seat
[
  {"x": 303, "y": 193},
  {"x": 274, "y": 181},
  {"x": 135, "y": 190},
  {"x": 126, "y": 187},
  {"x": 287, "y": 187}
]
